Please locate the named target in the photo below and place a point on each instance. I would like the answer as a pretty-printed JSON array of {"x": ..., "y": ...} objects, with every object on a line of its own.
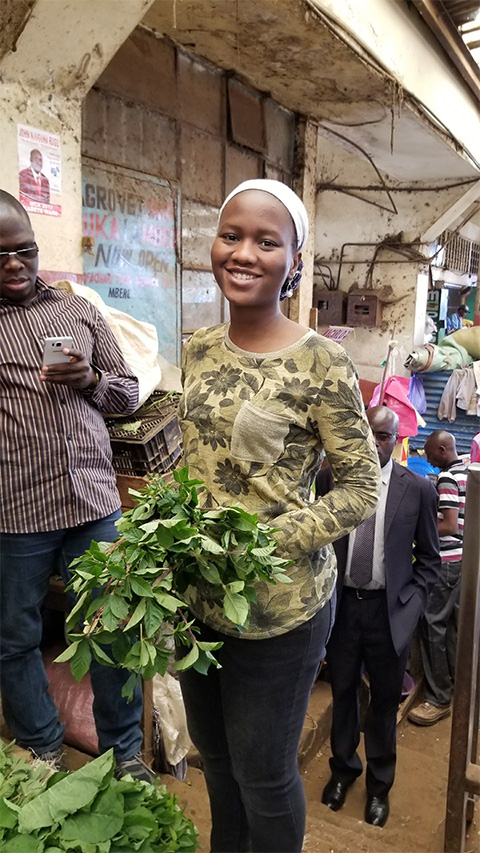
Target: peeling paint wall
[
  {"x": 161, "y": 110},
  {"x": 58, "y": 239},
  {"x": 50, "y": 54},
  {"x": 344, "y": 219}
]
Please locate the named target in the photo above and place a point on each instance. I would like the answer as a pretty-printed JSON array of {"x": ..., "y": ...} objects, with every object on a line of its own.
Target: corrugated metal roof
[
  {"x": 461, "y": 11},
  {"x": 463, "y": 428}
]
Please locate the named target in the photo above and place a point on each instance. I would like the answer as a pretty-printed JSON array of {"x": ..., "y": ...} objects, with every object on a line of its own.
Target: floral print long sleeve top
[{"x": 256, "y": 427}]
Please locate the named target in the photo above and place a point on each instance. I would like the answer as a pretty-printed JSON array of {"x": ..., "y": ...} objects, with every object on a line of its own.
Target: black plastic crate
[
  {"x": 155, "y": 446},
  {"x": 126, "y": 463}
]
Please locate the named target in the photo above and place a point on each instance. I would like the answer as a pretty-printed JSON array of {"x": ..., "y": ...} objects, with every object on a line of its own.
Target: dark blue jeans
[
  {"x": 246, "y": 720},
  {"x": 26, "y": 563}
]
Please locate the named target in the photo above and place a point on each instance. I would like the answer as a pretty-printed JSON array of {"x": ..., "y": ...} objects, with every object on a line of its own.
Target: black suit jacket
[{"x": 412, "y": 559}]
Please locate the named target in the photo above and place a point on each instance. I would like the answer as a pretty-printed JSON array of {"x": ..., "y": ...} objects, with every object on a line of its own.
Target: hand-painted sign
[{"x": 130, "y": 248}]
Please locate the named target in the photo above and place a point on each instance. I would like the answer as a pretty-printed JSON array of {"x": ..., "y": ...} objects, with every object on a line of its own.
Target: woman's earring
[{"x": 289, "y": 292}]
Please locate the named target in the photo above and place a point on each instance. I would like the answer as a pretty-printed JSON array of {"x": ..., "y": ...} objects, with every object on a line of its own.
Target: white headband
[{"x": 285, "y": 195}]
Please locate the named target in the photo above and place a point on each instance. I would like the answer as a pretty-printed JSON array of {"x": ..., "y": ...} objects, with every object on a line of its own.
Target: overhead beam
[
  {"x": 451, "y": 215},
  {"x": 436, "y": 16}
]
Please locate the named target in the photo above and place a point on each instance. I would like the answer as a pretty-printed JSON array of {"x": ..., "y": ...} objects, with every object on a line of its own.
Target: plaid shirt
[{"x": 55, "y": 456}]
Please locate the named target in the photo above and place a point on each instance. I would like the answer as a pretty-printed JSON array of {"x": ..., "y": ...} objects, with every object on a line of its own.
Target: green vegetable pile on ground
[
  {"x": 130, "y": 593},
  {"x": 87, "y": 811}
]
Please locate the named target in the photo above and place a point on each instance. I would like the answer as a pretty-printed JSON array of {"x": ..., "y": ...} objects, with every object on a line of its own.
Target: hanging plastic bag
[
  {"x": 416, "y": 393},
  {"x": 171, "y": 738}
]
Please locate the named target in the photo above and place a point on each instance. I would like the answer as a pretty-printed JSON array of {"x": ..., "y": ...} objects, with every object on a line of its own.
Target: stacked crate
[{"x": 150, "y": 440}]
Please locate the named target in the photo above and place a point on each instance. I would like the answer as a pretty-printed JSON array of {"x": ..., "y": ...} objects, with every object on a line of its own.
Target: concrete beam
[
  {"x": 64, "y": 47},
  {"x": 445, "y": 220}
]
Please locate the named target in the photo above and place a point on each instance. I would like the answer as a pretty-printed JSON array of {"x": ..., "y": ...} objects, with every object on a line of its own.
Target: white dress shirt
[{"x": 378, "y": 569}]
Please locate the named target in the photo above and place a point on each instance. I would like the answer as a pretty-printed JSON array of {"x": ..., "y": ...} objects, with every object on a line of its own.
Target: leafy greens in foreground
[
  {"x": 87, "y": 811},
  {"x": 129, "y": 593}
]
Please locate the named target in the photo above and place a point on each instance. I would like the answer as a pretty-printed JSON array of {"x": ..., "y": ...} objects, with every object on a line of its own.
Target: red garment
[
  {"x": 395, "y": 396},
  {"x": 37, "y": 190}
]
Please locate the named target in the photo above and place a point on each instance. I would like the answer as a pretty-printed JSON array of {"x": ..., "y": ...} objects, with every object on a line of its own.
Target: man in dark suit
[
  {"x": 386, "y": 568},
  {"x": 32, "y": 182}
]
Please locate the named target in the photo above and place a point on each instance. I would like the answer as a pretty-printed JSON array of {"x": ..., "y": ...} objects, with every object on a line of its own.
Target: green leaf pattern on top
[{"x": 314, "y": 385}]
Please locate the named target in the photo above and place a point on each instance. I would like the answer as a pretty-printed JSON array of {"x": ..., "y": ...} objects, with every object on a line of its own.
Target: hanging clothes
[
  {"x": 395, "y": 396},
  {"x": 462, "y": 390}
]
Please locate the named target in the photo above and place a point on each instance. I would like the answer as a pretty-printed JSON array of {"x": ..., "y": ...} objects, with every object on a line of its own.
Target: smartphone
[{"x": 52, "y": 350}]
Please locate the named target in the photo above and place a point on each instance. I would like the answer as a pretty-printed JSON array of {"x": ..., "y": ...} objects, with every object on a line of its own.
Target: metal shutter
[{"x": 463, "y": 428}]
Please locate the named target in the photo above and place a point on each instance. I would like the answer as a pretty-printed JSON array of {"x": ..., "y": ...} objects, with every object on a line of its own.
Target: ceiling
[
  {"x": 297, "y": 59},
  {"x": 462, "y": 11}
]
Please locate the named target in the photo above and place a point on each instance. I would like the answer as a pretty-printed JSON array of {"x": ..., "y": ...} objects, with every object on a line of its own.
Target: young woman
[{"x": 264, "y": 398}]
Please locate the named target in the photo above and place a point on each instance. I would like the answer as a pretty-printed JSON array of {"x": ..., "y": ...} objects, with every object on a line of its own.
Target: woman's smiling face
[{"x": 254, "y": 250}]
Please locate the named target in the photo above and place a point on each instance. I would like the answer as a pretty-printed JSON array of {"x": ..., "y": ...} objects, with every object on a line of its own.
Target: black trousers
[{"x": 361, "y": 639}]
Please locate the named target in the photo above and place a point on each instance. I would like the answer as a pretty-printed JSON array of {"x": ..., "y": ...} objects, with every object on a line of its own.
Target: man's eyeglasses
[{"x": 22, "y": 254}]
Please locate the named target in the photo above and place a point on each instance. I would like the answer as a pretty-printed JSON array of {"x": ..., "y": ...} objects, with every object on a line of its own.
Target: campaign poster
[{"x": 39, "y": 170}]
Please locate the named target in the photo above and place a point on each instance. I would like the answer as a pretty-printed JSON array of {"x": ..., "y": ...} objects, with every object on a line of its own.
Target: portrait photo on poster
[{"x": 39, "y": 170}]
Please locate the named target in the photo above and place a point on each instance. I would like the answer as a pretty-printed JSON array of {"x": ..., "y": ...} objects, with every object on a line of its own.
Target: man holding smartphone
[{"x": 57, "y": 486}]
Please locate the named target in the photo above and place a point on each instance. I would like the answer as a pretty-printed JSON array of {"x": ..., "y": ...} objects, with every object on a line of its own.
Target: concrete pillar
[{"x": 305, "y": 186}]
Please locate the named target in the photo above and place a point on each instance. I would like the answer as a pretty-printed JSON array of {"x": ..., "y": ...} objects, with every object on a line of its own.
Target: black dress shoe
[
  {"x": 377, "y": 811},
  {"x": 334, "y": 794}
]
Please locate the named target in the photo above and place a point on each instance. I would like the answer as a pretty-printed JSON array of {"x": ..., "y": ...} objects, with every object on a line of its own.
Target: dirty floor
[{"x": 417, "y": 800}]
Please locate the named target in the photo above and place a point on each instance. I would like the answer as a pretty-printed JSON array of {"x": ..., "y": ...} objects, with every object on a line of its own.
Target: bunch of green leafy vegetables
[
  {"x": 87, "y": 811},
  {"x": 129, "y": 593}
]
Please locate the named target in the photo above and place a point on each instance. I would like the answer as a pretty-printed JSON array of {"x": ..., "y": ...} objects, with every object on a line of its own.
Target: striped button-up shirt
[{"x": 55, "y": 457}]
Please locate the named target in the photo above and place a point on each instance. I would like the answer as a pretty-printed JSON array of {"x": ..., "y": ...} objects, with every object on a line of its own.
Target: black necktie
[{"x": 361, "y": 565}]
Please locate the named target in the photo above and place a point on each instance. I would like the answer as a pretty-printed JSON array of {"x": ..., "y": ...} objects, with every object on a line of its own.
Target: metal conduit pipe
[{"x": 464, "y": 770}]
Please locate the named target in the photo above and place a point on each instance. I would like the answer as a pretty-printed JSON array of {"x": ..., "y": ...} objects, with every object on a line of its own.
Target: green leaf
[
  {"x": 119, "y": 607},
  {"x": 209, "y": 647},
  {"x": 109, "y": 620},
  {"x": 210, "y": 573},
  {"x": 188, "y": 660},
  {"x": 236, "y": 608},
  {"x": 153, "y": 619},
  {"x": 205, "y": 660},
  {"x": 67, "y": 796},
  {"x": 129, "y": 687},
  {"x": 100, "y": 655},
  {"x": 282, "y": 578},
  {"x": 137, "y": 615},
  {"x": 8, "y": 815},
  {"x": 236, "y": 586},
  {"x": 210, "y": 545},
  {"x": 151, "y": 526},
  {"x": 74, "y": 614},
  {"x": 263, "y": 552},
  {"x": 102, "y": 822},
  {"x": 169, "y": 602},
  {"x": 80, "y": 661},
  {"x": 69, "y": 652},
  {"x": 141, "y": 587},
  {"x": 22, "y": 844},
  {"x": 164, "y": 538}
]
